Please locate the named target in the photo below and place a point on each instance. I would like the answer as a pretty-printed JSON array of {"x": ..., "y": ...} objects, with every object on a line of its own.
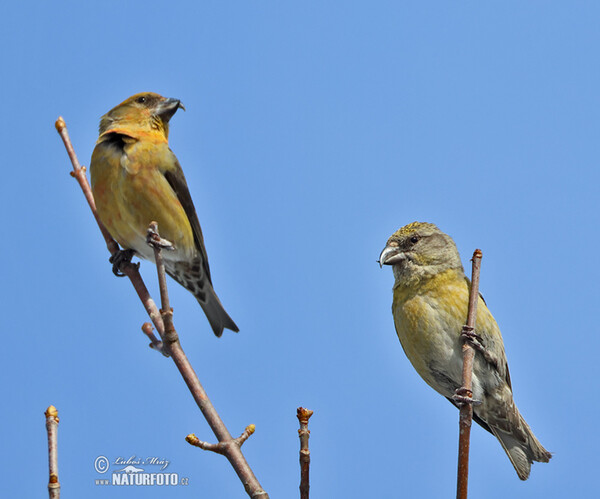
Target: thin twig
[
  {"x": 170, "y": 343},
  {"x": 155, "y": 241},
  {"x": 155, "y": 343},
  {"x": 221, "y": 447},
  {"x": 52, "y": 429},
  {"x": 466, "y": 391},
  {"x": 303, "y": 416}
]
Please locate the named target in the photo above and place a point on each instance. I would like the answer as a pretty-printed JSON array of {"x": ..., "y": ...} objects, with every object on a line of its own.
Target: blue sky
[{"x": 313, "y": 131}]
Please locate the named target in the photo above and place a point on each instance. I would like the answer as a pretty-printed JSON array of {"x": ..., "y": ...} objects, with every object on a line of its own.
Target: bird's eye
[
  {"x": 414, "y": 239},
  {"x": 141, "y": 99}
]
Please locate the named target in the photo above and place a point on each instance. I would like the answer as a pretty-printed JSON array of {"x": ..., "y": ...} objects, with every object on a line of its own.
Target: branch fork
[
  {"x": 221, "y": 447},
  {"x": 155, "y": 343}
]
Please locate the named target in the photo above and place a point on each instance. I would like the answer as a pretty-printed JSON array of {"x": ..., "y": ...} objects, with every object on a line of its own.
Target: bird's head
[
  {"x": 144, "y": 112},
  {"x": 419, "y": 250}
]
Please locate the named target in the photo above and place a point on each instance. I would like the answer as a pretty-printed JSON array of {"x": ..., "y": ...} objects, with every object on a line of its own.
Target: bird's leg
[{"x": 120, "y": 258}]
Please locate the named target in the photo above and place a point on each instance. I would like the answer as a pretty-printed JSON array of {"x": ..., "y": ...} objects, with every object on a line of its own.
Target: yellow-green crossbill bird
[
  {"x": 136, "y": 179},
  {"x": 431, "y": 295}
]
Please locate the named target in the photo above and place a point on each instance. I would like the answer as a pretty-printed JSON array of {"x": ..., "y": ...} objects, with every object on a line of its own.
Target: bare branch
[
  {"x": 464, "y": 395},
  {"x": 221, "y": 447},
  {"x": 303, "y": 416},
  {"x": 79, "y": 174},
  {"x": 155, "y": 343},
  {"x": 155, "y": 241},
  {"x": 163, "y": 321},
  {"x": 227, "y": 445},
  {"x": 52, "y": 429}
]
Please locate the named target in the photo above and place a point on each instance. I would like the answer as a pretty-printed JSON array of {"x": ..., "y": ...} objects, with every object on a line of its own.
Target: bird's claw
[
  {"x": 154, "y": 240},
  {"x": 463, "y": 396},
  {"x": 476, "y": 341},
  {"x": 121, "y": 258},
  {"x": 470, "y": 336}
]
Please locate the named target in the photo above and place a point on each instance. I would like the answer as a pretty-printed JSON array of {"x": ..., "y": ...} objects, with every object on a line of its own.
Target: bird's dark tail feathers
[
  {"x": 215, "y": 313},
  {"x": 522, "y": 447},
  {"x": 193, "y": 280}
]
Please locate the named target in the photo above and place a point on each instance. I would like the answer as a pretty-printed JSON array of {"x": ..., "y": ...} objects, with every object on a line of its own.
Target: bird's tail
[
  {"x": 521, "y": 446},
  {"x": 200, "y": 286},
  {"x": 215, "y": 312}
]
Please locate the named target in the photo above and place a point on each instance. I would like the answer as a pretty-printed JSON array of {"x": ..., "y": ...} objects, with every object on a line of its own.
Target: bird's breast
[
  {"x": 428, "y": 322},
  {"x": 130, "y": 192}
]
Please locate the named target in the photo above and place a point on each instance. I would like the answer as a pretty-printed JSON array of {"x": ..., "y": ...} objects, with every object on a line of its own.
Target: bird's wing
[
  {"x": 175, "y": 178},
  {"x": 493, "y": 344},
  {"x": 507, "y": 377}
]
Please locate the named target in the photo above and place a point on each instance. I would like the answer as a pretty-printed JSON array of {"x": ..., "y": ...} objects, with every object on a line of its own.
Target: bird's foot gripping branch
[{"x": 120, "y": 259}]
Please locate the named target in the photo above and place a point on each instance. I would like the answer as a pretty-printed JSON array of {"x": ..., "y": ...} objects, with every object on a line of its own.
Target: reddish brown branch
[
  {"x": 52, "y": 429},
  {"x": 303, "y": 416},
  {"x": 163, "y": 321},
  {"x": 466, "y": 391},
  {"x": 228, "y": 446},
  {"x": 79, "y": 174},
  {"x": 155, "y": 343},
  {"x": 221, "y": 447},
  {"x": 155, "y": 241}
]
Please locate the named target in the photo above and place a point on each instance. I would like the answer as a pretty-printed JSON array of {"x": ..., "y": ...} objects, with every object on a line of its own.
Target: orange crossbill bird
[
  {"x": 431, "y": 296},
  {"x": 136, "y": 179}
]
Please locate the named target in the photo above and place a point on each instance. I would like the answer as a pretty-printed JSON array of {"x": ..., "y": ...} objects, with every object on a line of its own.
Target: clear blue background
[{"x": 313, "y": 131}]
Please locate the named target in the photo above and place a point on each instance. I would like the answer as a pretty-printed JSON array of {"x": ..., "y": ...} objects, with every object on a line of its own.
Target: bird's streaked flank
[
  {"x": 136, "y": 179},
  {"x": 431, "y": 294}
]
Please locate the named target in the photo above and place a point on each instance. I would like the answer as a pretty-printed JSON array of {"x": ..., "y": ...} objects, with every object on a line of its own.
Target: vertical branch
[
  {"x": 466, "y": 391},
  {"x": 52, "y": 429},
  {"x": 303, "y": 416}
]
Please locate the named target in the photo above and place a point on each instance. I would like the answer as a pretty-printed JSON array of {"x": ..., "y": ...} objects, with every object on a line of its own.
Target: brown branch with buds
[
  {"x": 52, "y": 429},
  {"x": 227, "y": 446},
  {"x": 303, "y": 416},
  {"x": 170, "y": 345},
  {"x": 465, "y": 394},
  {"x": 221, "y": 447}
]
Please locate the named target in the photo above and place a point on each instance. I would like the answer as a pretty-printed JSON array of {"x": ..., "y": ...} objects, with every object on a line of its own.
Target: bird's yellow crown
[{"x": 414, "y": 227}]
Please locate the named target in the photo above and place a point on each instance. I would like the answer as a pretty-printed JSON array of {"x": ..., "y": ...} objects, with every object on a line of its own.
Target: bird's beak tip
[
  {"x": 168, "y": 107},
  {"x": 390, "y": 256}
]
